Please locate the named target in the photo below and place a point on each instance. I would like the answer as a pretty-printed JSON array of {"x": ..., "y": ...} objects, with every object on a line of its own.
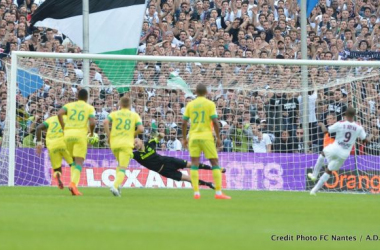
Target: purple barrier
[{"x": 248, "y": 171}]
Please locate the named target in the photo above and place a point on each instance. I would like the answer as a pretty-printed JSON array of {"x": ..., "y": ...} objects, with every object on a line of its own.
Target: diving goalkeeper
[{"x": 146, "y": 155}]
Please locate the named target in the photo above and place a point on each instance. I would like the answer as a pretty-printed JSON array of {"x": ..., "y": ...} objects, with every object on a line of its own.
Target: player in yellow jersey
[
  {"x": 80, "y": 116},
  {"x": 201, "y": 112},
  {"x": 125, "y": 126},
  {"x": 55, "y": 145}
]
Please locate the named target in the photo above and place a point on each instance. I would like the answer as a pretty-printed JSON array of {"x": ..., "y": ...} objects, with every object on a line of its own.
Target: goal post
[
  {"x": 12, "y": 120},
  {"x": 259, "y": 101}
]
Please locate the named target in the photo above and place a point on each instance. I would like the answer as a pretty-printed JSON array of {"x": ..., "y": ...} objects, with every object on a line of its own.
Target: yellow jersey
[
  {"x": 123, "y": 129},
  {"x": 200, "y": 112},
  {"x": 78, "y": 114},
  {"x": 54, "y": 134}
]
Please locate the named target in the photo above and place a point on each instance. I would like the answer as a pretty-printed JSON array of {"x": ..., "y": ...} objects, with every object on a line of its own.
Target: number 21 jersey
[{"x": 200, "y": 112}]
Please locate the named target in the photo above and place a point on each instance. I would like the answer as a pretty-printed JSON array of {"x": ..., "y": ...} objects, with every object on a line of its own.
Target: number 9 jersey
[
  {"x": 346, "y": 135},
  {"x": 124, "y": 124}
]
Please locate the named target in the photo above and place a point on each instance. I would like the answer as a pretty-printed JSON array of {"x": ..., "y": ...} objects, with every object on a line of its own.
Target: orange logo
[{"x": 353, "y": 181}]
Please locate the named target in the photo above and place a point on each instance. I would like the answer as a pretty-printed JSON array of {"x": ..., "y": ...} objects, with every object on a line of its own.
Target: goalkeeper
[{"x": 146, "y": 155}]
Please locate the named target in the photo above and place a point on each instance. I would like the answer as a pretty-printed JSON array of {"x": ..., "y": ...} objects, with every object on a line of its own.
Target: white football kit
[{"x": 346, "y": 135}]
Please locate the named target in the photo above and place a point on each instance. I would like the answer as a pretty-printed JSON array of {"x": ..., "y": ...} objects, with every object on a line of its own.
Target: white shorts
[{"x": 334, "y": 159}]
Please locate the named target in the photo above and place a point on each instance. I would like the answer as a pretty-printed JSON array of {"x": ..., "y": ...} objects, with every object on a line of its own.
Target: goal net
[{"x": 271, "y": 117}]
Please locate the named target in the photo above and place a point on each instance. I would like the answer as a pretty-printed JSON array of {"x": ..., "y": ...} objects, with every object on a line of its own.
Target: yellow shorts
[
  {"x": 56, "y": 154},
  {"x": 123, "y": 155},
  {"x": 77, "y": 146},
  {"x": 207, "y": 146}
]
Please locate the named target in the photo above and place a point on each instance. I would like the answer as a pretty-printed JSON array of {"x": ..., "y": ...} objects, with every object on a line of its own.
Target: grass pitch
[{"x": 48, "y": 218}]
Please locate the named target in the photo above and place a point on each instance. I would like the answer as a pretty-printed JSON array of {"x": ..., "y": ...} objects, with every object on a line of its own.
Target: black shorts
[{"x": 171, "y": 166}]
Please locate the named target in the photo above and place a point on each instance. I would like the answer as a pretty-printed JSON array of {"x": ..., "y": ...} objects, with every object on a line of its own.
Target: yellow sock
[
  {"x": 119, "y": 177},
  {"x": 117, "y": 170},
  {"x": 194, "y": 175},
  {"x": 76, "y": 174},
  {"x": 217, "y": 175},
  {"x": 72, "y": 172}
]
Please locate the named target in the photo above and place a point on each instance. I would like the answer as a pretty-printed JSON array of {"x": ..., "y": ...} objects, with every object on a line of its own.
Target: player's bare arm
[
  {"x": 368, "y": 139},
  {"x": 323, "y": 127},
  {"x": 92, "y": 125},
  {"x": 60, "y": 115},
  {"x": 106, "y": 125},
  {"x": 39, "y": 135},
  {"x": 139, "y": 130},
  {"x": 217, "y": 132},
  {"x": 269, "y": 148},
  {"x": 184, "y": 132}
]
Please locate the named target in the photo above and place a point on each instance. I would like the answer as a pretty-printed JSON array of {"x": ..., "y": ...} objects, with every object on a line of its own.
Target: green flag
[
  {"x": 115, "y": 28},
  {"x": 177, "y": 82}
]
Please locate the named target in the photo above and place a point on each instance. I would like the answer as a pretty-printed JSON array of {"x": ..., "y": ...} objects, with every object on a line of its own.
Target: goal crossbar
[{"x": 16, "y": 54}]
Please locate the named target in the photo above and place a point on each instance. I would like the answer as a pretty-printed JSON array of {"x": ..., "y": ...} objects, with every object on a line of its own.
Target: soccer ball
[{"x": 94, "y": 139}]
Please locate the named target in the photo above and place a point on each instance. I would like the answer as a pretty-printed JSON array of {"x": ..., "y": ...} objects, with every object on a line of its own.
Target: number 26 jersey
[{"x": 78, "y": 114}]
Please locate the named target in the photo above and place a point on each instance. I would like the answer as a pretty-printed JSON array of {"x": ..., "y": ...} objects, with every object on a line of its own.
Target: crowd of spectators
[{"x": 259, "y": 106}]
